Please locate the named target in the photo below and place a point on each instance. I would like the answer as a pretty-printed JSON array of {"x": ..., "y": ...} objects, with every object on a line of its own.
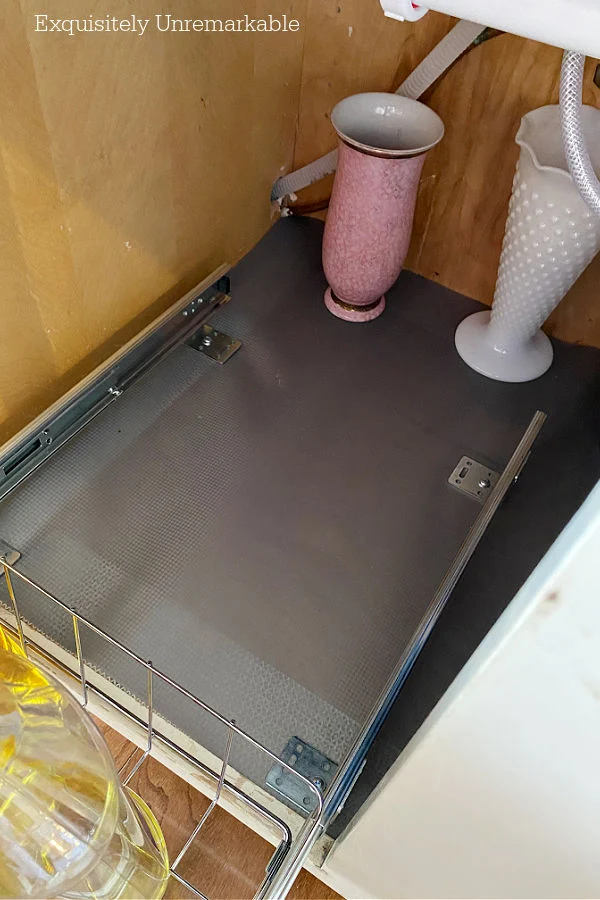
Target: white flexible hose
[
  {"x": 578, "y": 158},
  {"x": 429, "y": 70},
  {"x": 301, "y": 178},
  {"x": 441, "y": 58}
]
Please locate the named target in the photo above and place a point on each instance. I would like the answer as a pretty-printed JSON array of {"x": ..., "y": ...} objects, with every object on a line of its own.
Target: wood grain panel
[
  {"x": 130, "y": 167},
  {"x": 227, "y": 861},
  {"x": 464, "y": 192}
]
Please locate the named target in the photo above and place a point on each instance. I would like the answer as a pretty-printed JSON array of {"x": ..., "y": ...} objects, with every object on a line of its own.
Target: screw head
[
  {"x": 318, "y": 783},
  {"x": 207, "y": 340},
  {"x": 484, "y": 483}
]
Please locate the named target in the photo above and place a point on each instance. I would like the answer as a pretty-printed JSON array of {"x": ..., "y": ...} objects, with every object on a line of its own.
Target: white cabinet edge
[{"x": 498, "y": 792}]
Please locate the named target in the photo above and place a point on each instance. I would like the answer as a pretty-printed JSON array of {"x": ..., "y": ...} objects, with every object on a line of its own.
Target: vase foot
[
  {"x": 523, "y": 362},
  {"x": 351, "y": 313}
]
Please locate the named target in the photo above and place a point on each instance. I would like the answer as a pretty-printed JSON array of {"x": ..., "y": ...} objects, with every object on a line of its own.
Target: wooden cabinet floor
[{"x": 227, "y": 860}]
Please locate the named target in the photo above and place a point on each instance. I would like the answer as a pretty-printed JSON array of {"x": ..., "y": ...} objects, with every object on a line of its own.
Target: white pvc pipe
[
  {"x": 576, "y": 152},
  {"x": 569, "y": 24}
]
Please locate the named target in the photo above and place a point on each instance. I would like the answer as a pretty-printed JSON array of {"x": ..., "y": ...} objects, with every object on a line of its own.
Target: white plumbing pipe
[
  {"x": 403, "y": 10},
  {"x": 429, "y": 70},
  {"x": 576, "y": 153}
]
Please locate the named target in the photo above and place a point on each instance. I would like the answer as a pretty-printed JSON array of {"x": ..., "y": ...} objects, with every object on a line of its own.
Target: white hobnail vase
[{"x": 551, "y": 236}]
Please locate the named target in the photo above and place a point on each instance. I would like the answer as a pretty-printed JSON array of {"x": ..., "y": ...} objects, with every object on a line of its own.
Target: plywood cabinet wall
[{"x": 131, "y": 166}]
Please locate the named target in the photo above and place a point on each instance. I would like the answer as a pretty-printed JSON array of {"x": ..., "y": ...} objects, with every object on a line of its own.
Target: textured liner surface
[{"x": 269, "y": 532}]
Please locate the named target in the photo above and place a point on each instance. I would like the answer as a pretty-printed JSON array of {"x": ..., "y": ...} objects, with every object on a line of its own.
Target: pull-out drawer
[{"x": 277, "y": 529}]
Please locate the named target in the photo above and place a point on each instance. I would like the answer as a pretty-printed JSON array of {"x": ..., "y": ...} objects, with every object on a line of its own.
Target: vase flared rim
[
  {"x": 547, "y": 156},
  {"x": 386, "y": 125}
]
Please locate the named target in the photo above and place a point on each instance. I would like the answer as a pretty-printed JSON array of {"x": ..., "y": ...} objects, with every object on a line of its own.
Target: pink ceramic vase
[{"x": 383, "y": 140}]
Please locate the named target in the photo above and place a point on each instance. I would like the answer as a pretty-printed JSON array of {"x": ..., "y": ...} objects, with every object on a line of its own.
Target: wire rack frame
[{"x": 131, "y": 766}]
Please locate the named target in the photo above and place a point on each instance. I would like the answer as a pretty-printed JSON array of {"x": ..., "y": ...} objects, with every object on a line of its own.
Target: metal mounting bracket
[
  {"x": 215, "y": 344},
  {"x": 307, "y": 761},
  {"x": 473, "y": 478}
]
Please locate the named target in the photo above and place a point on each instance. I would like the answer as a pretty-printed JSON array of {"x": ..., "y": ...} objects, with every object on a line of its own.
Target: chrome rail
[{"x": 350, "y": 768}]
